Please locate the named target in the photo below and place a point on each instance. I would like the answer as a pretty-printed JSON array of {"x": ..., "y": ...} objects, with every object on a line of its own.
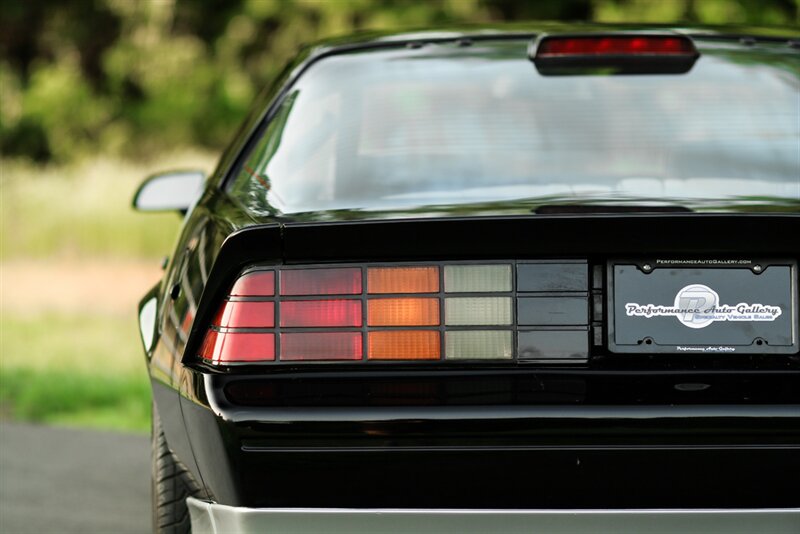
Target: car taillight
[
  {"x": 402, "y": 280},
  {"x": 346, "y": 281},
  {"x": 232, "y": 347},
  {"x": 321, "y": 346},
  {"x": 320, "y": 313},
  {"x": 373, "y": 313},
  {"x": 404, "y": 345}
]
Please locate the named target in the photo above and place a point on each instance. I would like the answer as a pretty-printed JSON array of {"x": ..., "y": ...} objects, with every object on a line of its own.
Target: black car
[{"x": 505, "y": 279}]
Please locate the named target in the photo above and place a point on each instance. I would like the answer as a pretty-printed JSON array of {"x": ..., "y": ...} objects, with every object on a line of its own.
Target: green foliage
[
  {"x": 66, "y": 398},
  {"x": 128, "y": 78},
  {"x": 78, "y": 369}
]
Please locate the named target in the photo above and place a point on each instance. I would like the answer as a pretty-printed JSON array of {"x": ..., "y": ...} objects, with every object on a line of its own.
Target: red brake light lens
[
  {"x": 343, "y": 281},
  {"x": 321, "y": 346},
  {"x": 246, "y": 314},
  {"x": 614, "y": 46},
  {"x": 255, "y": 284},
  {"x": 232, "y": 347},
  {"x": 320, "y": 313}
]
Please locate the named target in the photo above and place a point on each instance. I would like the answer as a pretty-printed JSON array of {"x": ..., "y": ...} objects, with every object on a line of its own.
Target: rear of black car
[{"x": 499, "y": 282}]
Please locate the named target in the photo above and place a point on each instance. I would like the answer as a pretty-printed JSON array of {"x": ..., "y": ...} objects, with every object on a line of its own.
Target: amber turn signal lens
[
  {"x": 403, "y": 280},
  {"x": 403, "y": 312},
  {"x": 404, "y": 345}
]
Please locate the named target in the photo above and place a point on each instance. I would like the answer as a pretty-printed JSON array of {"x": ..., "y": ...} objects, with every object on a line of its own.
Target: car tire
[{"x": 171, "y": 484}]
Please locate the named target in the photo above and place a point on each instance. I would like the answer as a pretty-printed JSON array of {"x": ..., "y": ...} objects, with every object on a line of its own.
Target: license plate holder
[{"x": 703, "y": 306}]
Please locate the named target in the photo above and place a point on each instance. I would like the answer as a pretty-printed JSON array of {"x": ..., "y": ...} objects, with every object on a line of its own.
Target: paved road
[{"x": 65, "y": 480}]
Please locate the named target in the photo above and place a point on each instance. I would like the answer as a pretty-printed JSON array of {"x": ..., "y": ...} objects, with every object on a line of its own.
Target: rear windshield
[{"x": 444, "y": 125}]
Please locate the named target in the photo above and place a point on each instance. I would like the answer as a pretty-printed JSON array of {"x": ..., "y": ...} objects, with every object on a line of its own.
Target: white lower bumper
[{"x": 217, "y": 519}]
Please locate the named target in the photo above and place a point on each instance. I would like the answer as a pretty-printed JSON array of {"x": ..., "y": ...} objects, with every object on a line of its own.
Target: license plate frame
[{"x": 702, "y": 306}]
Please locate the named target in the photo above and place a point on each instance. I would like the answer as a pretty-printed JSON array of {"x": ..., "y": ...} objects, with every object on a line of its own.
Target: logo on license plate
[{"x": 697, "y": 306}]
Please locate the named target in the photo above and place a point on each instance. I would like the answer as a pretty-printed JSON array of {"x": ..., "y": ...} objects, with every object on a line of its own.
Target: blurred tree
[{"x": 132, "y": 76}]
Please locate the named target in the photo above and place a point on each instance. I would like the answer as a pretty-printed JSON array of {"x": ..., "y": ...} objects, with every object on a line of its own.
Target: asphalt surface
[{"x": 66, "y": 480}]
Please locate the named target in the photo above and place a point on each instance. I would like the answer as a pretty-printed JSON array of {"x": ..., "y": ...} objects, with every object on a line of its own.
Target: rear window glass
[{"x": 448, "y": 125}]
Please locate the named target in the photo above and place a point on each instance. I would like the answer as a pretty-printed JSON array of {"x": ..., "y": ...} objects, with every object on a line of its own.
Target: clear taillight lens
[
  {"x": 479, "y": 344},
  {"x": 477, "y": 278},
  {"x": 476, "y": 311}
]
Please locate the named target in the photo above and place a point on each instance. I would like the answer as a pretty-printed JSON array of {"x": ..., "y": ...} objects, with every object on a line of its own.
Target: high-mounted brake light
[
  {"x": 632, "y": 53},
  {"x": 633, "y": 45}
]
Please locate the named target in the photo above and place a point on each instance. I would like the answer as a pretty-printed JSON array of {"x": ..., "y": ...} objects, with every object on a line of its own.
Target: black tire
[{"x": 171, "y": 484}]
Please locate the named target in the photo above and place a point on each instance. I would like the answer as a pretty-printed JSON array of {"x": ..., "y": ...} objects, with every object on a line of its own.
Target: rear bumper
[
  {"x": 501, "y": 443},
  {"x": 215, "y": 518}
]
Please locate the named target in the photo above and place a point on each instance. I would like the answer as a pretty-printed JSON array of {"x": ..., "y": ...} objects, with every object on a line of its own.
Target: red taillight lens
[
  {"x": 246, "y": 314},
  {"x": 255, "y": 284},
  {"x": 238, "y": 347},
  {"x": 344, "y": 281},
  {"x": 321, "y": 346},
  {"x": 617, "y": 46},
  {"x": 320, "y": 313}
]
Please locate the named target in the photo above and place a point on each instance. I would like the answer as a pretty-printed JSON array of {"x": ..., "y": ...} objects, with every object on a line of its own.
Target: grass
[
  {"x": 84, "y": 210},
  {"x": 74, "y": 369}
]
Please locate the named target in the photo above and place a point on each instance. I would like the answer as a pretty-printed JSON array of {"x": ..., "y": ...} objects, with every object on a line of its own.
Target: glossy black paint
[
  {"x": 262, "y": 441},
  {"x": 655, "y": 432},
  {"x": 501, "y": 439}
]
